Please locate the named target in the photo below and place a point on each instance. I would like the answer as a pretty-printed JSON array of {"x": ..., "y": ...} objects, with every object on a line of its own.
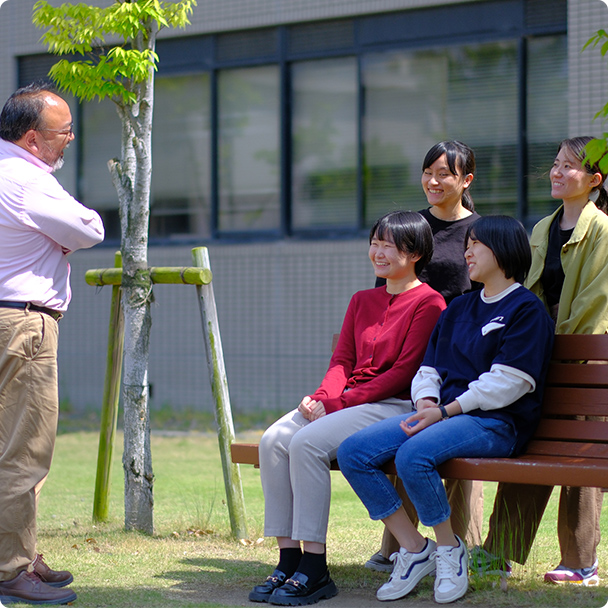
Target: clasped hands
[{"x": 311, "y": 409}]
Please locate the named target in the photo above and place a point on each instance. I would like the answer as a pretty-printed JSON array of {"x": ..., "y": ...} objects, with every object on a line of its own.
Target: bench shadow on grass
[{"x": 229, "y": 581}]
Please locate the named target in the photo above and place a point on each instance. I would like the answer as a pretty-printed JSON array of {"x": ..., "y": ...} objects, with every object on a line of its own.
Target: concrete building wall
[
  {"x": 587, "y": 70},
  {"x": 278, "y": 303}
]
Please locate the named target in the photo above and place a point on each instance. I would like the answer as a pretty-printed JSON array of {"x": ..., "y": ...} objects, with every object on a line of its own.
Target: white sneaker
[
  {"x": 408, "y": 570},
  {"x": 452, "y": 574}
]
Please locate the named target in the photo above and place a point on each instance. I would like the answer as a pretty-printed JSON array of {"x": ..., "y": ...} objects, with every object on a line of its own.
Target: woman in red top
[{"x": 382, "y": 342}]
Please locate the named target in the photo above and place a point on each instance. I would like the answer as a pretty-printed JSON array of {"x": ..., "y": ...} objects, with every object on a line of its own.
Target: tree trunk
[{"x": 132, "y": 177}]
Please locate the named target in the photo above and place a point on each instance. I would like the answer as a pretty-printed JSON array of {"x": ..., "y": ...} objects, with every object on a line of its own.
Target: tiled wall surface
[
  {"x": 587, "y": 71},
  {"x": 278, "y": 305}
]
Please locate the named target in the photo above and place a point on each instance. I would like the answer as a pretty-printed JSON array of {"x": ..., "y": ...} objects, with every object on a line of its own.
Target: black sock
[
  {"x": 313, "y": 565},
  {"x": 289, "y": 559}
]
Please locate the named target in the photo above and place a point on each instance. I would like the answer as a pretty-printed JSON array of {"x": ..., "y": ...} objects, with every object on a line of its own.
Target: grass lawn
[{"x": 192, "y": 560}]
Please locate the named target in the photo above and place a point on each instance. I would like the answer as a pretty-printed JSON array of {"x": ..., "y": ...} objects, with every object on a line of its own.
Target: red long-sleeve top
[{"x": 382, "y": 343}]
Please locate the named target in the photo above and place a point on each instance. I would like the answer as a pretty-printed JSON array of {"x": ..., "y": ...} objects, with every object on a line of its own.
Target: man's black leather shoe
[
  {"x": 262, "y": 593},
  {"x": 296, "y": 591}
]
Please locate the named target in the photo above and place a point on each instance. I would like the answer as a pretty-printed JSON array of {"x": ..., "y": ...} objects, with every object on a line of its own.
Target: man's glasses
[{"x": 66, "y": 132}]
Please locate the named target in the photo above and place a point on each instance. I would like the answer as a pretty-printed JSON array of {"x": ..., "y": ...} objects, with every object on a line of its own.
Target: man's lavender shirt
[{"x": 40, "y": 224}]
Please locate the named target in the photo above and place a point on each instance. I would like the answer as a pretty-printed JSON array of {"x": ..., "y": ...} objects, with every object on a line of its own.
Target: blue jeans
[{"x": 362, "y": 455}]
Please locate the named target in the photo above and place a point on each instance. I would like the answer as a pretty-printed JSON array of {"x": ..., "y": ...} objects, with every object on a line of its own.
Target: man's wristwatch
[{"x": 444, "y": 413}]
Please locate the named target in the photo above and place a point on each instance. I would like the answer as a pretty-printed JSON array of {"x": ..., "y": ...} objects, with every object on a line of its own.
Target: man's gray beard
[{"x": 57, "y": 164}]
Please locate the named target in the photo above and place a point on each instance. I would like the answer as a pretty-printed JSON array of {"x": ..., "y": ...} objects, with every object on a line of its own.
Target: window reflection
[
  {"x": 414, "y": 99},
  {"x": 248, "y": 148},
  {"x": 100, "y": 142},
  {"x": 181, "y": 179},
  {"x": 547, "y": 97},
  {"x": 324, "y": 139},
  {"x": 411, "y": 99}
]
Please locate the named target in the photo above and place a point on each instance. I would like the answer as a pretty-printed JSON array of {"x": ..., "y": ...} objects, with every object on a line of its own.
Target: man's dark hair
[
  {"x": 23, "y": 111},
  {"x": 508, "y": 240},
  {"x": 410, "y": 233}
]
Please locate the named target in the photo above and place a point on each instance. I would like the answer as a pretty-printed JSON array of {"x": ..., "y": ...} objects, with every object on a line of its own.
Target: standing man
[{"x": 40, "y": 225}]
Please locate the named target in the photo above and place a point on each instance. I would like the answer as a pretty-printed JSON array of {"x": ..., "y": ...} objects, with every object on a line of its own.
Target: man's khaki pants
[{"x": 28, "y": 424}]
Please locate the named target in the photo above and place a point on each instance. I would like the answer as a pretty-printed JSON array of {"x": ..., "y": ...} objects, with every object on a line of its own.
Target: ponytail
[
  {"x": 602, "y": 199},
  {"x": 467, "y": 200}
]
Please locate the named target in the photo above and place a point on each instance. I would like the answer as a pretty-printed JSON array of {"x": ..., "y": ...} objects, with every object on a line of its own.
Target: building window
[
  {"x": 181, "y": 157},
  {"x": 324, "y": 144},
  {"x": 547, "y": 124},
  {"x": 100, "y": 136},
  {"x": 248, "y": 149},
  {"x": 181, "y": 184},
  {"x": 413, "y": 99}
]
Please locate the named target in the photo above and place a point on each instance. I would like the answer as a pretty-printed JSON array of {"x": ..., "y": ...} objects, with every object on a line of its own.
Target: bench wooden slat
[
  {"x": 571, "y": 374},
  {"x": 573, "y": 430},
  {"x": 582, "y": 347},
  {"x": 245, "y": 453},
  {"x": 567, "y": 448},
  {"x": 565, "y": 401},
  {"x": 532, "y": 469}
]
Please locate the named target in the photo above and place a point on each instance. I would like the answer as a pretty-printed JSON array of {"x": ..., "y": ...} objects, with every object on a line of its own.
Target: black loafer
[
  {"x": 296, "y": 591},
  {"x": 262, "y": 593}
]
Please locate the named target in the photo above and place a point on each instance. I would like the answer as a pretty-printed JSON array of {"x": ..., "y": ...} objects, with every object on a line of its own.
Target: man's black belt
[{"x": 29, "y": 306}]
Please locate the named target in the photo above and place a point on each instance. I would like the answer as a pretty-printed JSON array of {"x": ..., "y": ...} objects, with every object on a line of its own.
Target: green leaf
[
  {"x": 81, "y": 29},
  {"x": 595, "y": 150}
]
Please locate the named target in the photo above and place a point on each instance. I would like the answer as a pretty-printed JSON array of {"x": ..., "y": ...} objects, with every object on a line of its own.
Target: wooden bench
[{"x": 564, "y": 451}]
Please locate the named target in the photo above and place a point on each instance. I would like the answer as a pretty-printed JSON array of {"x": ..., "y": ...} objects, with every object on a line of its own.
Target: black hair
[
  {"x": 461, "y": 159},
  {"x": 576, "y": 146},
  {"x": 508, "y": 240},
  {"x": 410, "y": 233},
  {"x": 23, "y": 111}
]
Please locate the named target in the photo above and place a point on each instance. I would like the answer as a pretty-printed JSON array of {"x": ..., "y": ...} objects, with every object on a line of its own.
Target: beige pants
[
  {"x": 295, "y": 458},
  {"x": 466, "y": 503},
  {"x": 28, "y": 423}
]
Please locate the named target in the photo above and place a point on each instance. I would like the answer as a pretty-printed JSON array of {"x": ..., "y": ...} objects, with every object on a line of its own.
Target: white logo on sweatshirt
[{"x": 495, "y": 323}]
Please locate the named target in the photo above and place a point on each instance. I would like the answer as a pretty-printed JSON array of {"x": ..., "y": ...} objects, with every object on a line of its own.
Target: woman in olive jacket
[{"x": 570, "y": 274}]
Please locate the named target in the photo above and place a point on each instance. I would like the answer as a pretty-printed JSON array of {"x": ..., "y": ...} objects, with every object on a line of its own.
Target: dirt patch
[{"x": 344, "y": 599}]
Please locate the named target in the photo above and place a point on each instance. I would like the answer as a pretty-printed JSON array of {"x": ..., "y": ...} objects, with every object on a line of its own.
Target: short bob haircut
[
  {"x": 409, "y": 232},
  {"x": 508, "y": 240}
]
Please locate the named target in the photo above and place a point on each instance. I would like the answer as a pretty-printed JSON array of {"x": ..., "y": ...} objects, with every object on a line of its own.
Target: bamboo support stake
[
  {"x": 109, "y": 409},
  {"x": 219, "y": 387},
  {"x": 109, "y": 415},
  {"x": 169, "y": 275}
]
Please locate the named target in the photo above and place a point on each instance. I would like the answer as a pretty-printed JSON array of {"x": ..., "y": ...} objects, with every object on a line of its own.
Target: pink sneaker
[{"x": 581, "y": 576}]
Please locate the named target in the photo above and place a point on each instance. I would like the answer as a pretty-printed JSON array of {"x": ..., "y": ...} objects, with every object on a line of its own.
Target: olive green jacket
[{"x": 583, "y": 304}]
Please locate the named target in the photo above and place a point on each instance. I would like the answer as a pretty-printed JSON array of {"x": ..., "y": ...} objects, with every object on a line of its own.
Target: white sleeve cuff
[
  {"x": 493, "y": 390},
  {"x": 426, "y": 383}
]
